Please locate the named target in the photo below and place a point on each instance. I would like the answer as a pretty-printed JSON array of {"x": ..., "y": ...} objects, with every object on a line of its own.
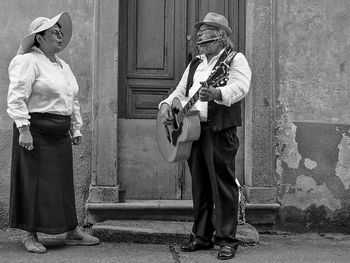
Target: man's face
[{"x": 207, "y": 32}]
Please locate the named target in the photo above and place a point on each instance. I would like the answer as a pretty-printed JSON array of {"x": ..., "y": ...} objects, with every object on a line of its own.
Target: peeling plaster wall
[
  {"x": 15, "y": 17},
  {"x": 313, "y": 114}
]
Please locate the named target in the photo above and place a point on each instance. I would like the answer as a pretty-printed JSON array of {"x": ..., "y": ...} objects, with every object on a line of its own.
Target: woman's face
[{"x": 52, "y": 40}]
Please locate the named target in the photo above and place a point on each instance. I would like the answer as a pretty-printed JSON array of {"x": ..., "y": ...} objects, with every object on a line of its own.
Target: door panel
[
  {"x": 151, "y": 43},
  {"x": 150, "y": 57}
]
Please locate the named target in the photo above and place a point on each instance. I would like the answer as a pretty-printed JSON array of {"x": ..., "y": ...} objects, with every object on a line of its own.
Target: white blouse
[
  {"x": 236, "y": 88},
  {"x": 39, "y": 85}
]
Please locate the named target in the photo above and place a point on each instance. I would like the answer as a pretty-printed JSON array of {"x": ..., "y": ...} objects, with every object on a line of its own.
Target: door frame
[{"x": 261, "y": 51}]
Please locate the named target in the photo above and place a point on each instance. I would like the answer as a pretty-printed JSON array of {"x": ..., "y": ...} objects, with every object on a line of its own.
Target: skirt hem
[{"x": 45, "y": 230}]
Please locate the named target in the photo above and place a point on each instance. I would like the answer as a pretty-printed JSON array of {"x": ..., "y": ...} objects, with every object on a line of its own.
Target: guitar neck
[{"x": 182, "y": 114}]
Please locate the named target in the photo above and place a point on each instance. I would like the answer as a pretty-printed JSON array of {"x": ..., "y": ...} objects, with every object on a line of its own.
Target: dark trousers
[{"x": 214, "y": 190}]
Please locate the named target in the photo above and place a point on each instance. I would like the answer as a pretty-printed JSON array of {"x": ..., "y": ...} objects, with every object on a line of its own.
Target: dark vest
[{"x": 219, "y": 116}]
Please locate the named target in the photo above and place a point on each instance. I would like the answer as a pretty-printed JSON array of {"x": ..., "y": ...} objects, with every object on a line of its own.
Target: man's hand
[
  {"x": 166, "y": 114},
  {"x": 209, "y": 94},
  {"x": 76, "y": 140},
  {"x": 25, "y": 138}
]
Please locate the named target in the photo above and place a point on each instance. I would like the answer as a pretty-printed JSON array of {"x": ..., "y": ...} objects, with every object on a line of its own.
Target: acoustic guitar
[{"x": 175, "y": 141}]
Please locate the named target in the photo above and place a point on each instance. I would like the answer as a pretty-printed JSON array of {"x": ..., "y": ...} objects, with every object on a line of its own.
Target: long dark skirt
[{"x": 42, "y": 188}]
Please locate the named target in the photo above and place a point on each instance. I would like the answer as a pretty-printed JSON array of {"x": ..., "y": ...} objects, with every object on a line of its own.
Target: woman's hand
[
  {"x": 76, "y": 140},
  {"x": 25, "y": 138}
]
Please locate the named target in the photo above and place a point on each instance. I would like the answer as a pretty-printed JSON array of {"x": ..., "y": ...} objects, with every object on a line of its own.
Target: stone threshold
[
  {"x": 165, "y": 204},
  {"x": 169, "y": 210}
]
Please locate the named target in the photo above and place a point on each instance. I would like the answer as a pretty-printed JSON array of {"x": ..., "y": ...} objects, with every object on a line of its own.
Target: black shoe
[
  {"x": 193, "y": 245},
  {"x": 226, "y": 252}
]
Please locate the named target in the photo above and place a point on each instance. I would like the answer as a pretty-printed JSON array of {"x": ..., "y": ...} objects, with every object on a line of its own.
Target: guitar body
[{"x": 175, "y": 141}]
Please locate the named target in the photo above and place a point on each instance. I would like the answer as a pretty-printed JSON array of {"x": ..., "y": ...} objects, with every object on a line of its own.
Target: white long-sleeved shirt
[
  {"x": 236, "y": 88},
  {"x": 39, "y": 85}
]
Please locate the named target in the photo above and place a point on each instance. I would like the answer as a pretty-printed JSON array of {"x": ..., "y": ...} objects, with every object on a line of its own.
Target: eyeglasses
[
  {"x": 206, "y": 29},
  {"x": 57, "y": 33}
]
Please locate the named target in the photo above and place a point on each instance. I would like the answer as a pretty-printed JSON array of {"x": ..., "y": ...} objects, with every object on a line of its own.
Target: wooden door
[{"x": 156, "y": 43}]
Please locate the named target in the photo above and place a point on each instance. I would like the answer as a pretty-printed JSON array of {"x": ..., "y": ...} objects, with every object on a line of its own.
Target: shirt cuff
[
  {"x": 225, "y": 101},
  {"x": 164, "y": 101},
  {"x": 22, "y": 122}
]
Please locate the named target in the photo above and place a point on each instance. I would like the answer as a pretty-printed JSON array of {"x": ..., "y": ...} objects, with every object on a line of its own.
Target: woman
[{"x": 42, "y": 101}]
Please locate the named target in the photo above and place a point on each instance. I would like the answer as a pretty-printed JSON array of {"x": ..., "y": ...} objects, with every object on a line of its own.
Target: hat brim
[
  {"x": 227, "y": 29},
  {"x": 66, "y": 27}
]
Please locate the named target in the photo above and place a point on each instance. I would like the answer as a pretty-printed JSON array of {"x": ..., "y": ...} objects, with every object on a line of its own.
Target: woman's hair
[{"x": 36, "y": 43}]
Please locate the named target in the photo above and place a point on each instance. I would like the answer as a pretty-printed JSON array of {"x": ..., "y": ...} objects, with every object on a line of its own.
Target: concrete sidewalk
[{"x": 271, "y": 248}]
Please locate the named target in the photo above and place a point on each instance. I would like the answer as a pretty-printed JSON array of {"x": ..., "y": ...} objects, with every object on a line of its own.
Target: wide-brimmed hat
[
  {"x": 40, "y": 24},
  {"x": 216, "y": 20}
]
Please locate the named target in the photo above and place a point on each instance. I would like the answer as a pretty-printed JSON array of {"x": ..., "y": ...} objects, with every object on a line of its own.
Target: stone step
[
  {"x": 158, "y": 232},
  {"x": 170, "y": 210}
]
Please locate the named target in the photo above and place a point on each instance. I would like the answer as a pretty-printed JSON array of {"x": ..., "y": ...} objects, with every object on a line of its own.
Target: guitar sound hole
[
  {"x": 175, "y": 124},
  {"x": 167, "y": 134}
]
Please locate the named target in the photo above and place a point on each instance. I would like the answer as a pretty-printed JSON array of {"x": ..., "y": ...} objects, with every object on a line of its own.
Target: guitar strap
[{"x": 194, "y": 65}]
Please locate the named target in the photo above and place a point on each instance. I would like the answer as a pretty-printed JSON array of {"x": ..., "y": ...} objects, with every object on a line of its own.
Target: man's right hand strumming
[{"x": 166, "y": 113}]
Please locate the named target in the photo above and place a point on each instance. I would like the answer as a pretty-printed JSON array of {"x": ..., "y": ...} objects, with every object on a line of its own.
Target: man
[{"x": 212, "y": 158}]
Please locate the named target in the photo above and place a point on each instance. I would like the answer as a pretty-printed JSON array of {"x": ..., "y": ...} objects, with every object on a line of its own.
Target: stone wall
[
  {"x": 15, "y": 16},
  {"x": 313, "y": 114}
]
